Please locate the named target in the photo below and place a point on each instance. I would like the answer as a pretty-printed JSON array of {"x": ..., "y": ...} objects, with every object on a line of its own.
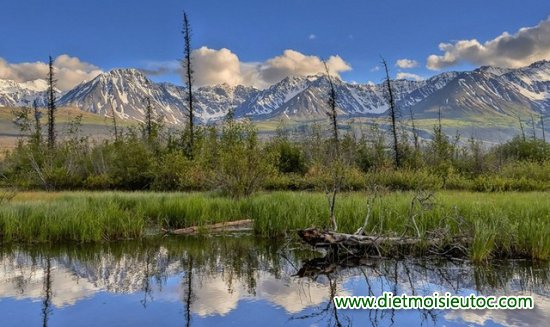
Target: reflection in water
[
  {"x": 47, "y": 292},
  {"x": 188, "y": 291},
  {"x": 241, "y": 281}
]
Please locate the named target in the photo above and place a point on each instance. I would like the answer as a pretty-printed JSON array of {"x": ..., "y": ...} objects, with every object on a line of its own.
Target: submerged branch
[{"x": 350, "y": 242}]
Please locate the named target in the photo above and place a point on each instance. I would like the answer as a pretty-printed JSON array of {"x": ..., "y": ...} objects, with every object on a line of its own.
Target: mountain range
[{"x": 486, "y": 90}]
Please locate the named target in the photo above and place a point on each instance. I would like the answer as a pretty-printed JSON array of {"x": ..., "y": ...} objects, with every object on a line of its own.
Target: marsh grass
[{"x": 509, "y": 224}]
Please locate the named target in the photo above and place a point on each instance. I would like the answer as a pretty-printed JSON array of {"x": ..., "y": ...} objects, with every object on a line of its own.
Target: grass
[{"x": 507, "y": 224}]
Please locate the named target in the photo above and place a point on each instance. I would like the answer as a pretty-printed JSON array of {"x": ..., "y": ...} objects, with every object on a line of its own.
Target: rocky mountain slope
[{"x": 487, "y": 90}]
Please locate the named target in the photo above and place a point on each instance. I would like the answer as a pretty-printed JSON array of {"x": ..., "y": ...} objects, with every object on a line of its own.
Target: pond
[{"x": 243, "y": 281}]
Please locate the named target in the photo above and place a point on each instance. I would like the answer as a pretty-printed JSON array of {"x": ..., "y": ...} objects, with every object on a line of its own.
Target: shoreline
[{"x": 500, "y": 225}]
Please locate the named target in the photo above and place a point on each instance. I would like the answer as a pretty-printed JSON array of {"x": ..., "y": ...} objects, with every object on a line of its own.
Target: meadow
[
  {"x": 479, "y": 202},
  {"x": 501, "y": 225}
]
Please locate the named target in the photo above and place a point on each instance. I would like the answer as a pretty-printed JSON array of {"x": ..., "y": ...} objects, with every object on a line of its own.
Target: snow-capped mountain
[
  {"x": 533, "y": 82},
  {"x": 488, "y": 89},
  {"x": 126, "y": 92},
  {"x": 492, "y": 90},
  {"x": 14, "y": 94}
]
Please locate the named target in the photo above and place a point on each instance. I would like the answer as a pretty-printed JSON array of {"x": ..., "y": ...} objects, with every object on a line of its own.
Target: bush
[
  {"x": 289, "y": 158},
  {"x": 242, "y": 164},
  {"x": 171, "y": 172},
  {"x": 524, "y": 150}
]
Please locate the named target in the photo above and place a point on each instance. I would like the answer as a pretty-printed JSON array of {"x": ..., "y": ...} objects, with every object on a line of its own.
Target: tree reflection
[
  {"x": 46, "y": 302},
  {"x": 246, "y": 267},
  {"x": 188, "y": 291}
]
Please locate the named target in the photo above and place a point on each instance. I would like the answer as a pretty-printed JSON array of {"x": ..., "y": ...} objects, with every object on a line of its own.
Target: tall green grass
[{"x": 509, "y": 224}]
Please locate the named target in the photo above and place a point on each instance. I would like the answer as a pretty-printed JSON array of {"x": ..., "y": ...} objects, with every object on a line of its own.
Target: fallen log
[
  {"x": 323, "y": 238},
  {"x": 238, "y": 225}
]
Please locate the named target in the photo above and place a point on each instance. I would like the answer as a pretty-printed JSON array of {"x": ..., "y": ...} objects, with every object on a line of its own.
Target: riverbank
[{"x": 499, "y": 225}]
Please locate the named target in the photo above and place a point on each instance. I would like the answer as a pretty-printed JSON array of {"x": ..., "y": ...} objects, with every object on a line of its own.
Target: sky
[{"x": 260, "y": 42}]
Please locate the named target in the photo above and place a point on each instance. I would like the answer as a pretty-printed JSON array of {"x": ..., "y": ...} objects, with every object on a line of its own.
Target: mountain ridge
[{"x": 485, "y": 90}]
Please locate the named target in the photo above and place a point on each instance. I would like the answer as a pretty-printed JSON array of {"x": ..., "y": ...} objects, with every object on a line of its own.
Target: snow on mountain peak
[{"x": 125, "y": 91}]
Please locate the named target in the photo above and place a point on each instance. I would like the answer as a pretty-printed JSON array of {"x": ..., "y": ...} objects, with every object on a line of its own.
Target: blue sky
[{"x": 146, "y": 33}]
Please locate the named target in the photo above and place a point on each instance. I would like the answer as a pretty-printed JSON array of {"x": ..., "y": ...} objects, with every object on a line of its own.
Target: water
[{"x": 242, "y": 281}]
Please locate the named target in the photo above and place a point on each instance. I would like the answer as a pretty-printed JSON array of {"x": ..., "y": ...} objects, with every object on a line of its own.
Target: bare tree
[
  {"x": 188, "y": 70},
  {"x": 51, "y": 105},
  {"x": 336, "y": 162},
  {"x": 393, "y": 115}
]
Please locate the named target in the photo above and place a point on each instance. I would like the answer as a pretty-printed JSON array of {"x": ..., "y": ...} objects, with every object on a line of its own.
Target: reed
[{"x": 507, "y": 224}]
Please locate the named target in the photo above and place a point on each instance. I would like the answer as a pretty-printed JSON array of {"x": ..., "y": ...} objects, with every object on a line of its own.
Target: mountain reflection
[{"x": 215, "y": 277}]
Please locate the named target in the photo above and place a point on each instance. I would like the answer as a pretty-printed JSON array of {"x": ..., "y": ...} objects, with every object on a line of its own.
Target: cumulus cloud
[
  {"x": 312, "y": 36},
  {"x": 70, "y": 71},
  {"x": 527, "y": 45},
  {"x": 409, "y": 76},
  {"x": 406, "y": 63},
  {"x": 216, "y": 67},
  {"x": 294, "y": 63},
  {"x": 223, "y": 66}
]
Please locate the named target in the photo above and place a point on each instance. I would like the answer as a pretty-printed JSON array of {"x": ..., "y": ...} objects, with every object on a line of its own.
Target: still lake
[{"x": 243, "y": 281}]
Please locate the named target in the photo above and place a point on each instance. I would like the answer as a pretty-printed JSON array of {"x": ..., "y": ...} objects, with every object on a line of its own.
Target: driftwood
[
  {"x": 353, "y": 242},
  {"x": 238, "y": 225}
]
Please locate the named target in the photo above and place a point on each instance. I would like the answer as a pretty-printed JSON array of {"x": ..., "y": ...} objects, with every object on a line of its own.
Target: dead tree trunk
[
  {"x": 51, "y": 105},
  {"x": 373, "y": 244},
  {"x": 188, "y": 70},
  {"x": 238, "y": 225},
  {"x": 336, "y": 162},
  {"x": 393, "y": 115}
]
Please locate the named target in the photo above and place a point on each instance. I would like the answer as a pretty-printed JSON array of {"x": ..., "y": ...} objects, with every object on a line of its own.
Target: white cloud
[
  {"x": 70, "y": 71},
  {"x": 406, "y": 63},
  {"x": 223, "y": 66},
  {"x": 409, "y": 76},
  {"x": 312, "y": 36},
  {"x": 375, "y": 68},
  {"x": 527, "y": 45},
  {"x": 216, "y": 67}
]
